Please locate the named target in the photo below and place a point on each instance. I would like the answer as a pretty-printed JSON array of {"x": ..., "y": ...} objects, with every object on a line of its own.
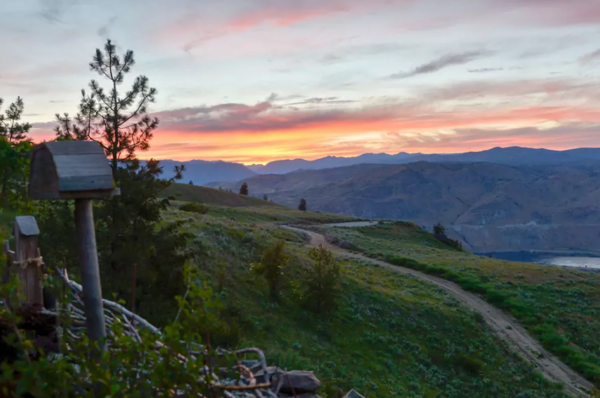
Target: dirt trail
[{"x": 504, "y": 325}]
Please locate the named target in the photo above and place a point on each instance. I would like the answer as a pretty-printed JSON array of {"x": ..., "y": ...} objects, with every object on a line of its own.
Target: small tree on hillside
[
  {"x": 191, "y": 182},
  {"x": 244, "y": 189},
  {"x": 322, "y": 280},
  {"x": 439, "y": 229},
  {"x": 271, "y": 266},
  {"x": 302, "y": 205},
  {"x": 265, "y": 197}
]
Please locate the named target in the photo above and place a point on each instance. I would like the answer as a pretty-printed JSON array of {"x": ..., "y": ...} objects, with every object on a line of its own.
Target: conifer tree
[
  {"x": 116, "y": 119},
  {"x": 272, "y": 266},
  {"x": 322, "y": 280},
  {"x": 244, "y": 189},
  {"x": 15, "y": 148},
  {"x": 302, "y": 205}
]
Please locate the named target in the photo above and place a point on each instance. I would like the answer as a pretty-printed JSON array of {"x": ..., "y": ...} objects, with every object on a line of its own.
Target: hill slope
[
  {"x": 391, "y": 336},
  {"x": 200, "y": 194},
  {"x": 491, "y": 207}
]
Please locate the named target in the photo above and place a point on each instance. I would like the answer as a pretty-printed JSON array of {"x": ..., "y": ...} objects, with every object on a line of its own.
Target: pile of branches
[{"x": 241, "y": 379}]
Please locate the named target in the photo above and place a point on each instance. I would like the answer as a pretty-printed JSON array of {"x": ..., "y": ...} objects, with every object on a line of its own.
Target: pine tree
[
  {"x": 244, "y": 189},
  {"x": 265, "y": 197},
  {"x": 272, "y": 266},
  {"x": 302, "y": 205},
  {"x": 116, "y": 120},
  {"x": 322, "y": 280},
  {"x": 15, "y": 152},
  {"x": 191, "y": 182}
]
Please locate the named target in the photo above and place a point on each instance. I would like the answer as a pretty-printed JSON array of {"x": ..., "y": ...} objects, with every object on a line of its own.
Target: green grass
[
  {"x": 392, "y": 335},
  {"x": 559, "y": 306},
  {"x": 199, "y": 194}
]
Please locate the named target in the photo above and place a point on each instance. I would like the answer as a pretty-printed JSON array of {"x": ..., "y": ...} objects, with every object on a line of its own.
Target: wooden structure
[
  {"x": 70, "y": 170},
  {"x": 77, "y": 170},
  {"x": 25, "y": 261}
]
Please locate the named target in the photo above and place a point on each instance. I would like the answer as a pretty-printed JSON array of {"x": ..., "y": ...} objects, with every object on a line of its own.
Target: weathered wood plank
[
  {"x": 27, "y": 263},
  {"x": 74, "y": 148},
  {"x": 81, "y": 165},
  {"x": 90, "y": 273}
]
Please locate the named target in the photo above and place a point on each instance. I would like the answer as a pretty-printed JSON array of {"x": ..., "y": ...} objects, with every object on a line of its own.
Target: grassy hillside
[
  {"x": 199, "y": 194},
  {"x": 392, "y": 335},
  {"x": 558, "y": 305}
]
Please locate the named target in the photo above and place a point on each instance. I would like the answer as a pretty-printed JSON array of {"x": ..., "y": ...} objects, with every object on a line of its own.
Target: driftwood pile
[{"x": 253, "y": 377}]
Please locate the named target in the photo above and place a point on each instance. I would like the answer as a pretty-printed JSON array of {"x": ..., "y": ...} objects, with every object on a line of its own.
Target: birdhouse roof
[{"x": 70, "y": 169}]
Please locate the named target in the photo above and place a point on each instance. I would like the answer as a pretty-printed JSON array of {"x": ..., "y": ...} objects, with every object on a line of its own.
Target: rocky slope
[{"x": 491, "y": 207}]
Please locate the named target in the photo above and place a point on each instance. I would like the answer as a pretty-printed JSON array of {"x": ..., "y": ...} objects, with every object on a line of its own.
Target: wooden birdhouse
[
  {"x": 70, "y": 170},
  {"x": 77, "y": 170}
]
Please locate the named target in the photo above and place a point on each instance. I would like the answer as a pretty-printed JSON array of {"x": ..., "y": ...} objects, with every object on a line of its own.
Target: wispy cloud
[
  {"x": 440, "y": 63},
  {"x": 591, "y": 57},
  {"x": 485, "y": 70},
  {"x": 53, "y": 10},
  {"x": 104, "y": 30}
]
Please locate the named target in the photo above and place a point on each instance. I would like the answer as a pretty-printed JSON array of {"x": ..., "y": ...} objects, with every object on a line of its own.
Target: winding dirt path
[{"x": 504, "y": 325}]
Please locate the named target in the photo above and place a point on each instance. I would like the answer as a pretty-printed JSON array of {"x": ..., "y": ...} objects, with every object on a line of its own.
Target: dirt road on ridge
[{"x": 504, "y": 325}]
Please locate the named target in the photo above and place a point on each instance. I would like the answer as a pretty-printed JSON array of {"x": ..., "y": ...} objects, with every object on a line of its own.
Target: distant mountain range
[
  {"x": 509, "y": 156},
  {"x": 201, "y": 172},
  {"x": 490, "y": 207}
]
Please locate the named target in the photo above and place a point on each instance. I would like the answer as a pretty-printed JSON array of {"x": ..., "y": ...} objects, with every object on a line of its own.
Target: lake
[{"x": 577, "y": 261}]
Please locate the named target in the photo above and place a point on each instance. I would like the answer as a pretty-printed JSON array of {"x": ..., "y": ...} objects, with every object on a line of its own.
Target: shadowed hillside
[{"x": 491, "y": 207}]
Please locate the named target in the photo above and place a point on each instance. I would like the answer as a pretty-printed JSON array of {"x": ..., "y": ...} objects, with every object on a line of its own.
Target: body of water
[{"x": 563, "y": 260}]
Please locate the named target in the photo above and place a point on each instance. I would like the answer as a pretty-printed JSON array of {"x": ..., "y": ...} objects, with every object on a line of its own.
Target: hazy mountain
[
  {"x": 201, "y": 172},
  {"x": 492, "y": 207},
  {"x": 509, "y": 156}
]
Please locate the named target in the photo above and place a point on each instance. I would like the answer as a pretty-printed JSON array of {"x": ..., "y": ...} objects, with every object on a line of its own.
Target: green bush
[
  {"x": 469, "y": 364},
  {"x": 193, "y": 207}
]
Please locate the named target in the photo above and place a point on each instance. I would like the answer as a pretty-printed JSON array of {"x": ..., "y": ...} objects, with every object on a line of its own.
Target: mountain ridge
[{"x": 489, "y": 206}]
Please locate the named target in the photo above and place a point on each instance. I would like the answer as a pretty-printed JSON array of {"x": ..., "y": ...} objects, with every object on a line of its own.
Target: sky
[{"x": 253, "y": 81}]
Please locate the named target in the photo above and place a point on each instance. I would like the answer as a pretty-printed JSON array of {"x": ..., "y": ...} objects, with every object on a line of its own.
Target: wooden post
[
  {"x": 90, "y": 273},
  {"x": 27, "y": 261}
]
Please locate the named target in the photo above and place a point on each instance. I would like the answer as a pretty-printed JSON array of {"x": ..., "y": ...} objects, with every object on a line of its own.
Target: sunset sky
[{"x": 253, "y": 81}]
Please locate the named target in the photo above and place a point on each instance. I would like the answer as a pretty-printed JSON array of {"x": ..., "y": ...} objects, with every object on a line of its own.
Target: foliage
[
  {"x": 272, "y": 266},
  {"x": 139, "y": 262},
  {"x": 132, "y": 367},
  {"x": 15, "y": 149},
  {"x": 116, "y": 120},
  {"x": 194, "y": 208},
  {"x": 11, "y": 127},
  {"x": 439, "y": 232},
  {"x": 391, "y": 335},
  {"x": 439, "y": 229},
  {"x": 322, "y": 280},
  {"x": 14, "y": 170},
  {"x": 265, "y": 197},
  {"x": 244, "y": 189},
  {"x": 302, "y": 205}
]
